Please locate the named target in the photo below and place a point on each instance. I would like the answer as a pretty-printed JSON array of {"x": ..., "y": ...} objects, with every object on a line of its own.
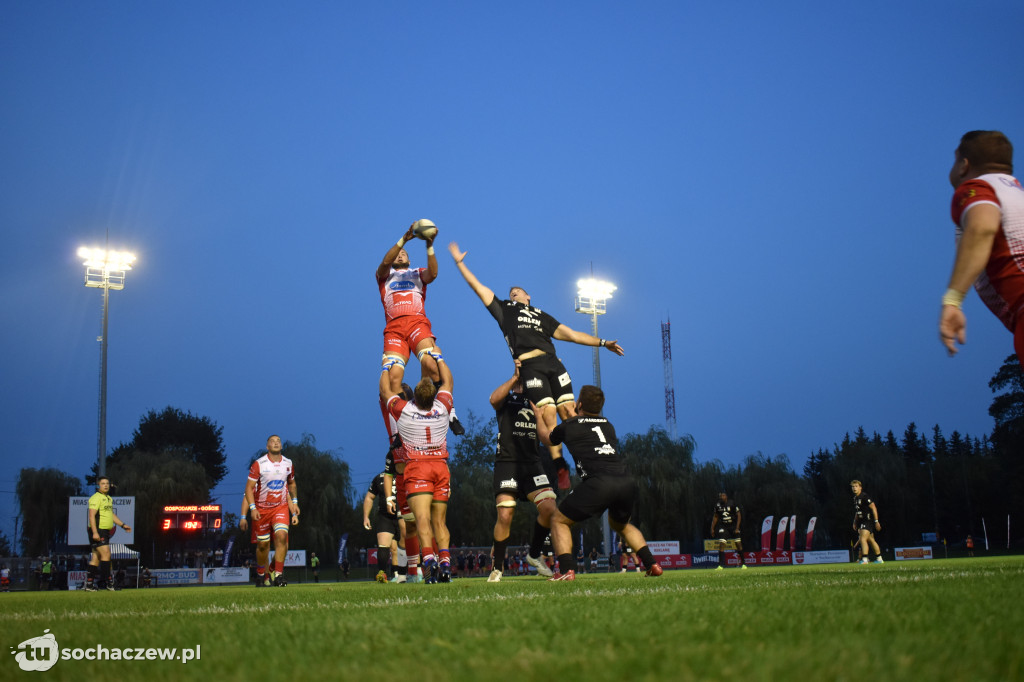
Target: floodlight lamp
[
  {"x": 595, "y": 289},
  {"x": 106, "y": 260}
]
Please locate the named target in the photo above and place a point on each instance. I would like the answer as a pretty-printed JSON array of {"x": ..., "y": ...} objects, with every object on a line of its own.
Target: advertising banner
[
  {"x": 176, "y": 576},
  {"x": 766, "y": 532},
  {"x": 712, "y": 545},
  {"x": 295, "y": 557},
  {"x": 792, "y": 532},
  {"x": 810, "y": 533},
  {"x": 232, "y": 574},
  {"x": 674, "y": 560},
  {"x": 913, "y": 553},
  {"x": 78, "y": 520},
  {"x": 76, "y": 579},
  {"x": 836, "y": 556},
  {"x": 663, "y": 547},
  {"x": 765, "y": 557}
]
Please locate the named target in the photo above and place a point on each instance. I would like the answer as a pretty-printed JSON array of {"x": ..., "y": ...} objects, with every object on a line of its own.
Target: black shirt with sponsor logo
[
  {"x": 525, "y": 328},
  {"x": 592, "y": 444},
  {"x": 517, "y": 431},
  {"x": 377, "y": 490},
  {"x": 862, "y": 508},
  {"x": 727, "y": 513}
]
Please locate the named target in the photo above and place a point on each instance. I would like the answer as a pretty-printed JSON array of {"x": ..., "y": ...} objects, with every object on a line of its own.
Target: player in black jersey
[
  {"x": 607, "y": 483},
  {"x": 725, "y": 525},
  {"x": 387, "y": 524},
  {"x": 865, "y": 522},
  {"x": 518, "y": 474},
  {"x": 529, "y": 332}
]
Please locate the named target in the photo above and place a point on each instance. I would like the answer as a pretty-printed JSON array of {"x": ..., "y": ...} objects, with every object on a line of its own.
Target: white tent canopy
[{"x": 123, "y": 553}]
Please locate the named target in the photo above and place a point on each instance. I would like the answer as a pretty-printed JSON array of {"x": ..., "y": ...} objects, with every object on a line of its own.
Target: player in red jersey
[
  {"x": 423, "y": 427},
  {"x": 988, "y": 209},
  {"x": 273, "y": 503},
  {"x": 403, "y": 293}
]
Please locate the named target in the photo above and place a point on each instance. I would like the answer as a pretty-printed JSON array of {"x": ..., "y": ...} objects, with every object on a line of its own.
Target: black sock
[
  {"x": 105, "y": 572},
  {"x": 499, "y": 554},
  {"x": 91, "y": 577},
  {"x": 566, "y": 563},
  {"x": 540, "y": 533},
  {"x": 645, "y": 556},
  {"x": 384, "y": 560}
]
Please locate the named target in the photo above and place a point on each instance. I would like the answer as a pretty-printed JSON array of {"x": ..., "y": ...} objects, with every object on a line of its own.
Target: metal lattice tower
[{"x": 670, "y": 391}]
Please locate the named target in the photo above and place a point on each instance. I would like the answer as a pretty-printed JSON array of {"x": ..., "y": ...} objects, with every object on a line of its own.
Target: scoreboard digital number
[{"x": 190, "y": 518}]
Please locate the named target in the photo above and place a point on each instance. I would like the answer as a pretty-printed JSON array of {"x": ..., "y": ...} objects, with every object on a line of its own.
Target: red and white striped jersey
[
  {"x": 424, "y": 432},
  {"x": 1001, "y": 285},
  {"x": 403, "y": 292},
  {"x": 272, "y": 479}
]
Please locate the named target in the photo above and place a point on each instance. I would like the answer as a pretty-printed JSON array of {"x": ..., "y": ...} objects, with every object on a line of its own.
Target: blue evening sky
[{"x": 769, "y": 176}]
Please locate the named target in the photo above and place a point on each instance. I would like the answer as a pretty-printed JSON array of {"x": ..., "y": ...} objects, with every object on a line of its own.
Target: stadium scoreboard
[{"x": 190, "y": 518}]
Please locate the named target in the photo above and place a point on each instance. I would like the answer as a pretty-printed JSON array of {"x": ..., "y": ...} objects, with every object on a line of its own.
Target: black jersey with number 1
[{"x": 592, "y": 444}]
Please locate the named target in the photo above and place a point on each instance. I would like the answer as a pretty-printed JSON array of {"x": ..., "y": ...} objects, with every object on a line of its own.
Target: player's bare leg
[
  {"x": 439, "y": 523},
  {"x": 635, "y": 539},
  {"x": 427, "y": 352},
  {"x": 280, "y": 552},
  {"x": 420, "y": 505}
]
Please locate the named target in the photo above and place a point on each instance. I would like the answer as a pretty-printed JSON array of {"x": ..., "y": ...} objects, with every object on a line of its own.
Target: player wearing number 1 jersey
[
  {"x": 606, "y": 485},
  {"x": 988, "y": 209},
  {"x": 423, "y": 427}
]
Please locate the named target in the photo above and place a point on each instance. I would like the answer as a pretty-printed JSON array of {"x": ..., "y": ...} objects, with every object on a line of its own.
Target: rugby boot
[
  {"x": 445, "y": 575},
  {"x": 567, "y": 577},
  {"x": 540, "y": 565}
]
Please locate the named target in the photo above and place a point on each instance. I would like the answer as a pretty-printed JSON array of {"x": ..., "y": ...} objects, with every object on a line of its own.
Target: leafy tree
[
  {"x": 6, "y": 548},
  {"x": 1007, "y": 409},
  {"x": 43, "y": 499},
  {"x": 198, "y": 439},
  {"x": 157, "y": 480},
  {"x": 326, "y": 498}
]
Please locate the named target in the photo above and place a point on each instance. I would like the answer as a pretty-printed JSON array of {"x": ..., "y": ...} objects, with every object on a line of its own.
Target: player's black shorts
[
  {"x": 519, "y": 479},
  {"x": 104, "y": 538},
  {"x": 545, "y": 377},
  {"x": 386, "y": 524},
  {"x": 597, "y": 493},
  {"x": 722, "y": 533},
  {"x": 866, "y": 525}
]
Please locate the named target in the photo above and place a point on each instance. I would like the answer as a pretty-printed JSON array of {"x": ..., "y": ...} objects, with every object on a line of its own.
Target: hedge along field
[{"x": 941, "y": 620}]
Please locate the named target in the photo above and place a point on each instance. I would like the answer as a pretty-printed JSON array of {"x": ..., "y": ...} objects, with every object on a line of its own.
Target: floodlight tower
[
  {"x": 670, "y": 390},
  {"x": 104, "y": 270},
  {"x": 591, "y": 299}
]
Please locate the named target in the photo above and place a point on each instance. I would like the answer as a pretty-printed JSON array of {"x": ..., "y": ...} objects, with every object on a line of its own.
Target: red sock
[
  {"x": 278, "y": 567},
  {"x": 446, "y": 556},
  {"x": 412, "y": 549}
]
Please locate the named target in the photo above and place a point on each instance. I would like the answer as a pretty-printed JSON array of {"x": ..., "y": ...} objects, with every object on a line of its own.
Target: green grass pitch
[{"x": 956, "y": 619}]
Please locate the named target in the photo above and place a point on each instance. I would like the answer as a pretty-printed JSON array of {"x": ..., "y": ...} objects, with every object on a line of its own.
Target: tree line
[{"x": 923, "y": 482}]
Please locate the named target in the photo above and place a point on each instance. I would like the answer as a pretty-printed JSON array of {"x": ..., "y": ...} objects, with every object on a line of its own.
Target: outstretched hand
[
  {"x": 614, "y": 347},
  {"x": 453, "y": 248}
]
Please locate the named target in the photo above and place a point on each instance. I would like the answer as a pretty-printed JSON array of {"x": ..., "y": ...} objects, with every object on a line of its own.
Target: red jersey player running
[
  {"x": 988, "y": 209},
  {"x": 273, "y": 502},
  {"x": 422, "y": 424}
]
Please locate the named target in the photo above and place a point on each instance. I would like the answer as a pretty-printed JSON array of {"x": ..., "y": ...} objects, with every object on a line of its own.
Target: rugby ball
[{"x": 424, "y": 229}]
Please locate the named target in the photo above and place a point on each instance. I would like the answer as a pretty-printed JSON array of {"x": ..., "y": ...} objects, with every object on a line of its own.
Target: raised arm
[
  {"x": 485, "y": 294},
  {"x": 564, "y": 333},
  {"x": 392, "y": 254},
  {"x": 498, "y": 395}
]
